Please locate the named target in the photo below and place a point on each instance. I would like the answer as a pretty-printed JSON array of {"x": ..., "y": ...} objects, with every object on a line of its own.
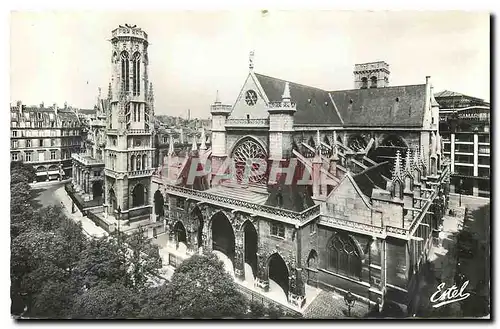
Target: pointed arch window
[
  {"x": 343, "y": 256},
  {"x": 136, "y": 85},
  {"x": 373, "y": 81},
  {"x": 125, "y": 71}
]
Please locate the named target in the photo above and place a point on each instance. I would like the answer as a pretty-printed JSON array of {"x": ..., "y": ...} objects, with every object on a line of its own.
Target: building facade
[
  {"x": 465, "y": 127},
  {"x": 45, "y": 137},
  {"x": 364, "y": 220}
]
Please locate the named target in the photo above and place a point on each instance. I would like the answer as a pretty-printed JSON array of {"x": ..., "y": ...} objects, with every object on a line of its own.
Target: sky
[{"x": 66, "y": 56}]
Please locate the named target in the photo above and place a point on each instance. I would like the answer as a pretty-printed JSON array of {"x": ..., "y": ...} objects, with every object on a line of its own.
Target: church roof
[
  {"x": 373, "y": 107},
  {"x": 382, "y": 107},
  {"x": 314, "y": 105}
]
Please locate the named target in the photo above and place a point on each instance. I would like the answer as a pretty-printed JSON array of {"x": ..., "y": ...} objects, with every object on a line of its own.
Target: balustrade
[
  {"x": 254, "y": 122},
  {"x": 249, "y": 206}
]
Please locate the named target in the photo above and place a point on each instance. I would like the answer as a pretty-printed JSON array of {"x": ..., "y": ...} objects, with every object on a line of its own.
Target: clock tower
[{"x": 129, "y": 151}]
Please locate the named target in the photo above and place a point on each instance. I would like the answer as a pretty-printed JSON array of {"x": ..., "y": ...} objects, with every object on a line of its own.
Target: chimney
[
  {"x": 55, "y": 108},
  {"x": 20, "y": 106},
  {"x": 41, "y": 105}
]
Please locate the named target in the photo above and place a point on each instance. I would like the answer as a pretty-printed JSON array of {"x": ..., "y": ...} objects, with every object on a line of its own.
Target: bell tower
[{"x": 129, "y": 149}]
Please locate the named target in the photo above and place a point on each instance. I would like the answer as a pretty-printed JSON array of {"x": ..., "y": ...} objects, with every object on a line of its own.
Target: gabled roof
[
  {"x": 314, "y": 105},
  {"x": 382, "y": 107}
]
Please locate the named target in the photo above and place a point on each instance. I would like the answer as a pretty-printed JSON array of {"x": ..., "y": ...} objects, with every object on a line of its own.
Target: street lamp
[
  {"x": 119, "y": 211},
  {"x": 349, "y": 301},
  {"x": 460, "y": 192}
]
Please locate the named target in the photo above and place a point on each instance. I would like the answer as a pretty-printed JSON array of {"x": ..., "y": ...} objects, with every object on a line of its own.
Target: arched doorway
[
  {"x": 180, "y": 233},
  {"x": 112, "y": 201},
  {"x": 250, "y": 247},
  {"x": 159, "y": 201},
  {"x": 223, "y": 235},
  {"x": 278, "y": 274},
  {"x": 138, "y": 195},
  {"x": 97, "y": 189},
  {"x": 197, "y": 217}
]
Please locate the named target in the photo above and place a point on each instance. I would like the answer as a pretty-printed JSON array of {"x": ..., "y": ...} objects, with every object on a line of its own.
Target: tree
[
  {"x": 144, "y": 258},
  {"x": 102, "y": 262},
  {"x": 104, "y": 301},
  {"x": 201, "y": 288}
]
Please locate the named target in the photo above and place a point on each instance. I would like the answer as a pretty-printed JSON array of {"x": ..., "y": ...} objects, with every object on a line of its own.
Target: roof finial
[
  {"x": 217, "y": 101},
  {"x": 286, "y": 92},
  {"x": 397, "y": 166},
  {"x": 203, "y": 146},
  {"x": 250, "y": 60},
  {"x": 318, "y": 143},
  {"x": 194, "y": 147},
  {"x": 99, "y": 93},
  {"x": 110, "y": 93},
  {"x": 335, "y": 155},
  {"x": 408, "y": 161},
  {"x": 171, "y": 145},
  {"x": 416, "y": 158}
]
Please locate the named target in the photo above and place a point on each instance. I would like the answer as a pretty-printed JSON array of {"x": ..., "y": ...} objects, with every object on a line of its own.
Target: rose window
[{"x": 248, "y": 156}]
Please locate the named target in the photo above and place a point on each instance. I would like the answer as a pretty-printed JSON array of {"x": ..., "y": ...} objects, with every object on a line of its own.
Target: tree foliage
[{"x": 201, "y": 288}]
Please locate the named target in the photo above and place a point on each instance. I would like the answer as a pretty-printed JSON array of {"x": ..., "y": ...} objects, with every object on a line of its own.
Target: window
[
  {"x": 180, "y": 203},
  {"x": 28, "y": 156},
  {"x": 278, "y": 229},
  {"x": 52, "y": 142},
  {"x": 136, "y": 80},
  {"x": 28, "y": 143},
  {"x": 14, "y": 133},
  {"x": 125, "y": 71},
  {"x": 40, "y": 142},
  {"x": 343, "y": 256},
  {"x": 52, "y": 124},
  {"x": 137, "y": 142},
  {"x": 52, "y": 155},
  {"x": 373, "y": 82},
  {"x": 165, "y": 139},
  {"x": 364, "y": 83},
  {"x": 14, "y": 144},
  {"x": 97, "y": 173},
  {"x": 15, "y": 156}
]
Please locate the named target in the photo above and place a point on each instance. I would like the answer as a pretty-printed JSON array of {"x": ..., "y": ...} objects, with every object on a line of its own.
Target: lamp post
[
  {"x": 460, "y": 192},
  {"x": 119, "y": 211},
  {"x": 349, "y": 301}
]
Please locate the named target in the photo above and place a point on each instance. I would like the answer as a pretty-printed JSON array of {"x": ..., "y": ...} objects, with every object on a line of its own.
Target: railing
[
  {"x": 125, "y": 31},
  {"x": 86, "y": 161},
  {"x": 220, "y": 108},
  {"x": 112, "y": 131},
  {"x": 325, "y": 219},
  {"x": 139, "y": 131},
  {"x": 136, "y": 173},
  {"x": 282, "y": 104},
  {"x": 265, "y": 211},
  {"x": 254, "y": 122},
  {"x": 255, "y": 297}
]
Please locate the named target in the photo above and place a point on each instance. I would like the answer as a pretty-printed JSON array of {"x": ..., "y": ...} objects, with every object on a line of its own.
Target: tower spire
[
  {"x": 286, "y": 93},
  {"x": 217, "y": 101}
]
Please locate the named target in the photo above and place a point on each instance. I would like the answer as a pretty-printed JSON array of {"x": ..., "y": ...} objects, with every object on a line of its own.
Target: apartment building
[
  {"x": 465, "y": 131},
  {"x": 45, "y": 137}
]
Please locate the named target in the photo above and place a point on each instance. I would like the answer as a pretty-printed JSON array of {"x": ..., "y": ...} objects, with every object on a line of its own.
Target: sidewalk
[{"x": 88, "y": 226}]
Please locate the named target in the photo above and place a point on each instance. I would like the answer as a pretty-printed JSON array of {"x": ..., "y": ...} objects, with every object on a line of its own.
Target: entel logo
[{"x": 450, "y": 295}]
